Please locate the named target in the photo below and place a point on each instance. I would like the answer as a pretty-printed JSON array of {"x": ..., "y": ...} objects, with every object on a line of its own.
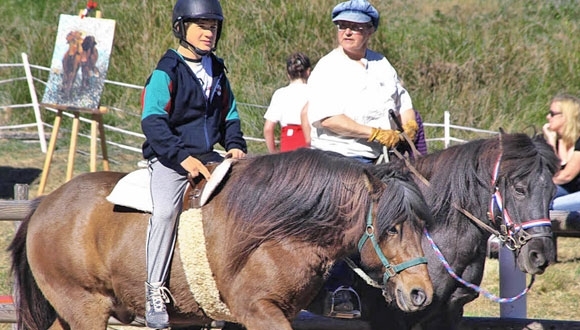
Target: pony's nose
[
  {"x": 539, "y": 260},
  {"x": 418, "y": 297}
]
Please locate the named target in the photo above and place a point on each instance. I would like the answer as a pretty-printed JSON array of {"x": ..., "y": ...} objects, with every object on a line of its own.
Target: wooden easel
[{"x": 96, "y": 125}]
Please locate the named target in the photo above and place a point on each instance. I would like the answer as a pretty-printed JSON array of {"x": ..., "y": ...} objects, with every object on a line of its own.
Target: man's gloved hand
[
  {"x": 387, "y": 137},
  {"x": 410, "y": 128}
]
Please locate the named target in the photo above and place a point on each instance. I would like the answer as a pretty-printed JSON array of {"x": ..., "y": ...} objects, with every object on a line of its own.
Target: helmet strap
[{"x": 194, "y": 49}]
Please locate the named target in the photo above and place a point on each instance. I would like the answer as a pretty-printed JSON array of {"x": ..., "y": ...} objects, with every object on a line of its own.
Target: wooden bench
[{"x": 565, "y": 223}]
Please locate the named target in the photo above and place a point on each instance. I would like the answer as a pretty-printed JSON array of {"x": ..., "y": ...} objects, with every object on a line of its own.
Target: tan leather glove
[
  {"x": 387, "y": 137},
  {"x": 410, "y": 128}
]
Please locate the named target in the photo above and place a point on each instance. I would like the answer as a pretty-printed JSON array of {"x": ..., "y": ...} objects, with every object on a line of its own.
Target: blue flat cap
[{"x": 358, "y": 11}]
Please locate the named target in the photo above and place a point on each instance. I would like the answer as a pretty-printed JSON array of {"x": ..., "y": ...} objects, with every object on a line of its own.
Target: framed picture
[{"x": 79, "y": 63}]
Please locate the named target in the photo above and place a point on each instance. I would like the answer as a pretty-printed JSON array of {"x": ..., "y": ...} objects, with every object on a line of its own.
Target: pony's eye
[
  {"x": 520, "y": 191},
  {"x": 393, "y": 230}
]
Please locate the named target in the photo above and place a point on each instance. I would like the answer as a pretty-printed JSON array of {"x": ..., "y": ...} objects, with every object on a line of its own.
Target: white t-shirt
[
  {"x": 339, "y": 85},
  {"x": 203, "y": 72},
  {"x": 287, "y": 103}
]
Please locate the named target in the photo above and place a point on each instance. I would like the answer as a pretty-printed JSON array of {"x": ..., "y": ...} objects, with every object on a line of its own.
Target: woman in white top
[{"x": 286, "y": 105}]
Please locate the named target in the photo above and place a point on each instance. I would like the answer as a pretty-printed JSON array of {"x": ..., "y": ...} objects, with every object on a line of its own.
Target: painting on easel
[{"x": 79, "y": 63}]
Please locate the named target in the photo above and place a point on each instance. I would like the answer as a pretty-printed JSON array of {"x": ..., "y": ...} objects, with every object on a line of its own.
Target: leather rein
[{"x": 511, "y": 234}]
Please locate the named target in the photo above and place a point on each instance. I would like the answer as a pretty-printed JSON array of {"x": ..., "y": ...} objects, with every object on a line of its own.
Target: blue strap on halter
[{"x": 390, "y": 270}]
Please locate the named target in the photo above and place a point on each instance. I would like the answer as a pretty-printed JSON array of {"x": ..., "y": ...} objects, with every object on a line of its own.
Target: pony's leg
[
  {"x": 78, "y": 309},
  {"x": 462, "y": 295},
  {"x": 263, "y": 315}
]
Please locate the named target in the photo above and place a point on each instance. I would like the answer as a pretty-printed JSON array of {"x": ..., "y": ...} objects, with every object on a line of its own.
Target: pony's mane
[
  {"x": 308, "y": 195},
  {"x": 462, "y": 173},
  {"x": 311, "y": 196},
  {"x": 403, "y": 201}
]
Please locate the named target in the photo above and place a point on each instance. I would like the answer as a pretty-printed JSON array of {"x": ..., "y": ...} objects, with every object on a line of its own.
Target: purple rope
[{"x": 476, "y": 288}]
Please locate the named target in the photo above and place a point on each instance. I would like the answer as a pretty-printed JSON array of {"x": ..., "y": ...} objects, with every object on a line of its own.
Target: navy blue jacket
[{"x": 179, "y": 121}]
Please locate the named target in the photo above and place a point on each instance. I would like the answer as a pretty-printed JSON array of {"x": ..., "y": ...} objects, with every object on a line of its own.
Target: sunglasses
[
  {"x": 354, "y": 27},
  {"x": 553, "y": 113}
]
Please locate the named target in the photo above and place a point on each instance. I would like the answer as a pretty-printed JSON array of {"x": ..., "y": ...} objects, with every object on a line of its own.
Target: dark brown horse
[
  {"x": 506, "y": 182},
  {"x": 71, "y": 61},
  {"x": 273, "y": 229},
  {"x": 89, "y": 60}
]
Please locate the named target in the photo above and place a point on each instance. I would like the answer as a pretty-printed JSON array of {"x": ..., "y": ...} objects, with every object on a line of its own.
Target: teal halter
[{"x": 390, "y": 269}]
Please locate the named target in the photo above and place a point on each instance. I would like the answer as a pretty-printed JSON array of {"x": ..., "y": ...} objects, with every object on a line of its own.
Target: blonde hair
[{"x": 570, "y": 107}]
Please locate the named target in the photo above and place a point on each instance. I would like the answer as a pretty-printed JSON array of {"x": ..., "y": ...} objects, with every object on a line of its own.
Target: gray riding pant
[{"x": 167, "y": 189}]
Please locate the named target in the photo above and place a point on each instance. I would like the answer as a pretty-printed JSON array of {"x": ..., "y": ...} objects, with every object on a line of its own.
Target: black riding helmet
[{"x": 189, "y": 10}]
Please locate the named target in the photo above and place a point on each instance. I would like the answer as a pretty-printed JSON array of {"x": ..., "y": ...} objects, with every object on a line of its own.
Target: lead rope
[{"x": 472, "y": 286}]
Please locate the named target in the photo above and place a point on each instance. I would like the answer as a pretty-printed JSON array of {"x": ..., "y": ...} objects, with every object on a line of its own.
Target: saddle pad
[
  {"x": 199, "y": 276},
  {"x": 133, "y": 190},
  {"x": 217, "y": 176}
]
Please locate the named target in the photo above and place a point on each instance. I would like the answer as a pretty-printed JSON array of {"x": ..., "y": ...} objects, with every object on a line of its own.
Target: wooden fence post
[{"x": 20, "y": 193}]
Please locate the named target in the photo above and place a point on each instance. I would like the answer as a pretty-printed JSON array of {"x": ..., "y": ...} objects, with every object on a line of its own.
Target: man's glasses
[
  {"x": 553, "y": 113},
  {"x": 354, "y": 27}
]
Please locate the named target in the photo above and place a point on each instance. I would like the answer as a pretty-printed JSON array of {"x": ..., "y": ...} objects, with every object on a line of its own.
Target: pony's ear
[
  {"x": 532, "y": 131},
  {"x": 501, "y": 130},
  {"x": 374, "y": 184}
]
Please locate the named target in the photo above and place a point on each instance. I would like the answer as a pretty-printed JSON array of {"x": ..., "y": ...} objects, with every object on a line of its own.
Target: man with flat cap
[
  {"x": 350, "y": 93},
  {"x": 352, "y": 89}
]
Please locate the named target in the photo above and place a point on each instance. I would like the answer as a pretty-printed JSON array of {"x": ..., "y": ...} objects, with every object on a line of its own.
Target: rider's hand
[
  {"x": 387, "y": 137},
  {"x": 194, "y": 167},
  {"x": 235, "y": 154}
]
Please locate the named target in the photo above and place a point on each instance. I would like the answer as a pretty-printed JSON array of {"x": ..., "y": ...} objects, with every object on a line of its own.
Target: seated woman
[{"x": 563, "y": 133}]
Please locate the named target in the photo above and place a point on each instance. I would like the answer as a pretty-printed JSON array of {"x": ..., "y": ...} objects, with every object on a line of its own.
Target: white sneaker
[{"x": 157, "y": 296}]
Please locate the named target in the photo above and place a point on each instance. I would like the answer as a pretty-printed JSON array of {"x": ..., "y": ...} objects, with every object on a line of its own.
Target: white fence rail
[{"x": 447, "y": 138}]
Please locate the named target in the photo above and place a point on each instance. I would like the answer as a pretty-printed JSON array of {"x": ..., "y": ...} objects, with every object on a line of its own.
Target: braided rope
[{"x": 476, "y": 288}]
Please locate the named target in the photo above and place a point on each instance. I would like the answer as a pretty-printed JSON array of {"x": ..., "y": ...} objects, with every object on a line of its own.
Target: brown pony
[
  {"x": 273, "y": 229},
  {"x": 89, "y": 60},
  {"x": 71, "y": 60}
]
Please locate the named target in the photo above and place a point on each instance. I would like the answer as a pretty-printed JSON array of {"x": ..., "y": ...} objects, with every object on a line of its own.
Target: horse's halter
[
  {"x": 512, "y": 234},
  {"x": 390, "y": 270}
]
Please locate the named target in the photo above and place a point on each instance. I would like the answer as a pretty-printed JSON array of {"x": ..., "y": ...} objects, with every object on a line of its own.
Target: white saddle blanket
[{"x": 133, "y": 190}]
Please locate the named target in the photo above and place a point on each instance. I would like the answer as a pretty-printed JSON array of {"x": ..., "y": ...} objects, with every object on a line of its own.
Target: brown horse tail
[{"x": 33, "y": 310}]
